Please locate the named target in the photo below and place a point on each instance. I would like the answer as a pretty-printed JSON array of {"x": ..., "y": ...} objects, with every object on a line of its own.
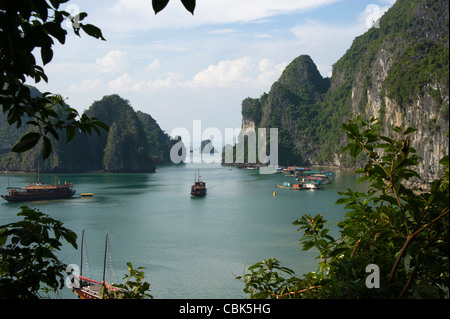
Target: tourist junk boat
[
  {"x": 39, "y": 191},
  {"x": 199, "y": 187},
  {"x": 88, "y": 288}
]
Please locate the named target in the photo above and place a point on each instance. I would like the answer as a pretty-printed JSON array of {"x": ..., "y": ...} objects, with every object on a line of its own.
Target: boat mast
[
  {"x": 81, "y": 264},
  {"x": 39, "y": 177},
  {"x": 104, "y": 260}
]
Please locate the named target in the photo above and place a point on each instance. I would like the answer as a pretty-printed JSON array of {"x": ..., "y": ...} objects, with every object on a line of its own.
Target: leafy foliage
[
  {"x": 401, "y": 230},
  {"x": 137, "y": 289},
  {"x": 159, "y": 5},
  {"x": 24, "y": 27},
  {"x": 27, "y": 255},
  {"x": 265, "y": 279},
  {"x": 29, "y": 265}
]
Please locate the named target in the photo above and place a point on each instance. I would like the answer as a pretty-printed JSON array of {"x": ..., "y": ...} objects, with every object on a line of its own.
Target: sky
[{"x": 181, "y": 68}]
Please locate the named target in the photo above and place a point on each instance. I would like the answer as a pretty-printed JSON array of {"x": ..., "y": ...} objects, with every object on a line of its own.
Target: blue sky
[{"x": 179, "y": 68}]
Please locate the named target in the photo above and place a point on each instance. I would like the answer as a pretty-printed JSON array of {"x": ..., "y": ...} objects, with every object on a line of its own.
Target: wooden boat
[
  {"x": 88, "y": 288},
  {"x": 39, "y": 191},
  {"x": 199, "y": 187}
]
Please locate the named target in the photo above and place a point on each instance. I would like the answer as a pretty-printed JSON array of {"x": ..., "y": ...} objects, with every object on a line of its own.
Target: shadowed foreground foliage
[{"x": 394, "y": 240}]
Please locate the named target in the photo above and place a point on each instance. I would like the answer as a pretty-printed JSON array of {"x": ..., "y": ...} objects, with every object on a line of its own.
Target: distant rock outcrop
[
  {"x": 398, "y": 73},
  {"x": 134, "y": 143}
]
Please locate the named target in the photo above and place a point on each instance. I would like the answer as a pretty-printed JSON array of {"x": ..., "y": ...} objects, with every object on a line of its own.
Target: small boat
[
  {"x": 288, "y": 185},
  {"x": 87, "y": 288},
  {"x": 199, "y": 187},
  {"x": 87, "y": 194},
  {"x": 312, "y": 185}
]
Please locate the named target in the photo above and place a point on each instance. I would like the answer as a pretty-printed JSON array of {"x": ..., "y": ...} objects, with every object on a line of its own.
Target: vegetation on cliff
[
  {"x": 134, "y": 143},
  {"x": 397, "y": 71}
]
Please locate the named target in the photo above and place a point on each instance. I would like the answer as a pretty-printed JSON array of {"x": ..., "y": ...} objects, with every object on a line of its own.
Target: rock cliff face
[
  {"x": 398, "y": 73},
  {"x": 134, "y": 143}
]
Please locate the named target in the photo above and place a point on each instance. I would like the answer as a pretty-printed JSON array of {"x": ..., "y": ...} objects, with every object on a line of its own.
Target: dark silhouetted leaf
[
  {"x": 158, "y": 5},
  {"x": 46, "y": 147},
  {"x": 27, "y": 142},
  {"x": 189, "y": 5},
  {"x": 93, "y": 31}
]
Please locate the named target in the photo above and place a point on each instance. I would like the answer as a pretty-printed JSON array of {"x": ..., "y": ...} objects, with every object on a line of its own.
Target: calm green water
[{"x": 191, "y": 247}]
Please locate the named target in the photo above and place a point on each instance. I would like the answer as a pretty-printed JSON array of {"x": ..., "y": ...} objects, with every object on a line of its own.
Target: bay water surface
[{"x": 190, "y": 247}]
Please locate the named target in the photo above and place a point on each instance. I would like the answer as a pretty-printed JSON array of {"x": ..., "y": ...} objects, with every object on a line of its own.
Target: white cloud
[
  {"x": 155, "y": 64},
  {"x": 222, "y": 31},
  {"x": 114, "y": 61},
  {"x": 317, "y": 34},
  {"x": 71, "y": 67},
  {"x": 172, "y": 80},
  {"x": 86, "y": 86},
  {"x": 220, "y": 11},
  {"x": 223, "y": 74},
  {"x": 317, "y": 39},
  {"x": 121, "y": 83},
  {"x": 236, "y": 73},
  {"x": 269, "y": 72},
  {"x": 263, "y": 35}
]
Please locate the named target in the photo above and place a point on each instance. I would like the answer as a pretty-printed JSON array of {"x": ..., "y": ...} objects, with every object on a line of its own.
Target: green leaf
[
  {"x": 341, "y": 201},
  {"x": 93, "y": 31},
  {"x": 409, "y": 130},
  {"x": 362, "y": 179},
  {"x": 70, "y": 133},
  {"x": 387, "y": 139},
  {"x": 46, "y": 147},
  {"x": 55, "y": 30},
  {"x": 444, "y": 161},
  {"x": 27, "y": 142},
  {"x": 158, "y": 5},
  {"x": 101, "y": 124},
  {"x": 189, "y": 5}
]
